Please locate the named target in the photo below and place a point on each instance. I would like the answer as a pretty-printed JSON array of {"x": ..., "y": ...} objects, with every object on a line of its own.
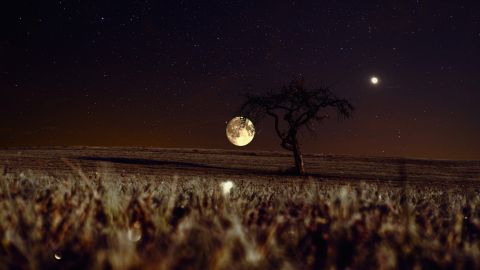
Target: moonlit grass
[
  {"x": 226, "y": 187},
  {"x": 134, "y": 233}
]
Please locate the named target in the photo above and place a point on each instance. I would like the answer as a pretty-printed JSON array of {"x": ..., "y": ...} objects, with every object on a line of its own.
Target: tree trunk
[{"x": 297, "y": 155}]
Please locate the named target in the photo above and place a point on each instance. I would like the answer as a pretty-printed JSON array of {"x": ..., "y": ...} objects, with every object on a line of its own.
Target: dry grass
[{"x": 125, "y": 222}]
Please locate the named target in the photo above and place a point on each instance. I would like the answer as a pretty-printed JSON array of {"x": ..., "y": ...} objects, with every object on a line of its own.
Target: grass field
[{"x": 97, "y": 208}]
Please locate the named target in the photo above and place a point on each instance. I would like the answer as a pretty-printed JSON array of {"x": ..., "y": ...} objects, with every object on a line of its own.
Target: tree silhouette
[{"x": 292, "y": 108}]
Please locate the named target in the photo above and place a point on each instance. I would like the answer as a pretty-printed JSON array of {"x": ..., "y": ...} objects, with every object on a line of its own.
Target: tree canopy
[{"x": 292, "y": 108}]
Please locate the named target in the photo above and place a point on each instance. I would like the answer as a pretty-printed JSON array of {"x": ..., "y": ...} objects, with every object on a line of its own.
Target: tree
[{"x": 293, "y": 108}]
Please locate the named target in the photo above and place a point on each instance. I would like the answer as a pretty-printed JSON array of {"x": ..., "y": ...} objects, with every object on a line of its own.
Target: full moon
[
  {"x": 374, "y": 80},
  {"x": 240, "y": 131}
]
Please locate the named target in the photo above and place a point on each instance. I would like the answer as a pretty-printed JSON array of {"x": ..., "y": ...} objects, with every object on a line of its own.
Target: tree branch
[
  {"x": 286, "y": 145},
  {"x": 277, "y": 124}
]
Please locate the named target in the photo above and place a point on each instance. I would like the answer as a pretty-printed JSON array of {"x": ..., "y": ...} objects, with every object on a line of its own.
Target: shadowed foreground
[
  {"x": 113, "y": 218},
  {"x": 121, "y": 223}
]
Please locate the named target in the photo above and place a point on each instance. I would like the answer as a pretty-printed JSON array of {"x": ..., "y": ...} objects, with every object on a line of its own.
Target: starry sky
[{"x": 170, "y": 73}]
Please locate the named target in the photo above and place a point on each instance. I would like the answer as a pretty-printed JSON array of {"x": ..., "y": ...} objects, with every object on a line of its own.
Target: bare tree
[{"x": 292, "y": 108}]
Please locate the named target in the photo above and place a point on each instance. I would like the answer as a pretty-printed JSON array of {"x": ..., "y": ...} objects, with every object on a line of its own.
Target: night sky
[{"x": 170, "y": 73}]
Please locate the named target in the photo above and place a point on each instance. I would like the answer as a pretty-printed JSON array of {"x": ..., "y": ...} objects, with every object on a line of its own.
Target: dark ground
[{"x": 238, "y": 164}]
